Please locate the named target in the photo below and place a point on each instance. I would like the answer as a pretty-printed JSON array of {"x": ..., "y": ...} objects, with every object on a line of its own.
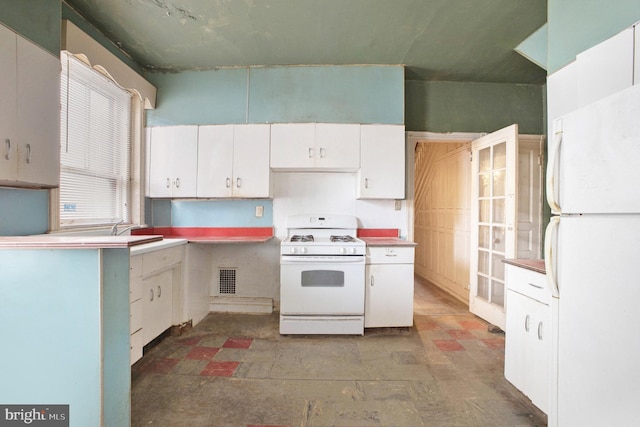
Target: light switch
[
  {"x": 398, "y": 205},
  {"x": 259, "y": 211}
]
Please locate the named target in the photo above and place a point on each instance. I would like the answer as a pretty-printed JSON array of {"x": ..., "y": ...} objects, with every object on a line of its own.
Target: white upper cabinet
[
  {"x": 311, "y": 146},
  {"x": 172, "y": 161},
  {"x": 382, "y": 162},
  {"x": 29, "y": 113},
  {"x": 233, "y": 161},
  {"x": 605, "y": 68}
]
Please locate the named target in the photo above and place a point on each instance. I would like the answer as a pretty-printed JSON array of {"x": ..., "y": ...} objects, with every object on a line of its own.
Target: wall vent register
[{"x": 227, "y": 281}]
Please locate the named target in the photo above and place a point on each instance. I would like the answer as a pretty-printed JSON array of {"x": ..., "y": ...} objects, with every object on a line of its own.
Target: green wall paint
[
  {"x": 576, "y": 25},
  {"x": 473, "y": 107},
  {"x": 351, "y": 94},
  {"x": 37, "y": 20},
  {"x": 80, "y": 22}
]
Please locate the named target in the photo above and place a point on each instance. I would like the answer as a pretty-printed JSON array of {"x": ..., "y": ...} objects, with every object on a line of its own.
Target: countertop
[
  {"x": 44, "y": 241},
  {"x": 536, "y": 265},
  {"x": 213, "y": 235},
  {"x": 387, "y": 241},
  {"x": 154, "y": 246}
]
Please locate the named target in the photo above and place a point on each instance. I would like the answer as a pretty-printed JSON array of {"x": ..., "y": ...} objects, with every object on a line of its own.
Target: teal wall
[
  {"x": 23, "y": 212},
  {"x": 340, "y": 94},
  {"x": 473, "y": 107},
  {"x": 576, "y": 25},
  {"x": 50, "y": 309}
]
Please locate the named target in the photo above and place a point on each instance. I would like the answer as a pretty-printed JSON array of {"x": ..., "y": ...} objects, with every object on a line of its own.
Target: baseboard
[{"x": 235, "y": 304}]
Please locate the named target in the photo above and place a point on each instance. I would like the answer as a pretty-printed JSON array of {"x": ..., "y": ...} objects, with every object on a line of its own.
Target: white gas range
[{"x": 322, "y": 275}]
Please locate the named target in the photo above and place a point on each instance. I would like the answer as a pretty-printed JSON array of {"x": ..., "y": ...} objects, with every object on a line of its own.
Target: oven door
[{"x": 314, "y": 285}]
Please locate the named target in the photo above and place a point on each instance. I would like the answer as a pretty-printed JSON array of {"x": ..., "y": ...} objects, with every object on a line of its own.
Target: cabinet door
[
  {"x": 173, "y": 156},
  {"x": 605, "y": 68},
  {"x": 540, "y": 355},
  {"x": 160, "y": 161},
  {"x": 8, "y": 106},
  {"x": 518, "y": 319},
  {"x": 251, "y": 172},
  {"x": 185, "y": 160},
  {"x": 388, "y": 295},
  {"x": 292, "y": 146},
  {"x": 215, "y": 161},
  {"x": 337, "y": 146},
  {"x": 156, "y": 307},
  {"x": 382, "y": 162},
  {"x": 38, "y": 115}
]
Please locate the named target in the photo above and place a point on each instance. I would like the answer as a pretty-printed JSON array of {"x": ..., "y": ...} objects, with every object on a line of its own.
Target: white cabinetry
[
  {"x": 605, "y": 68},
  {"x": 155, "y": 295},
  {"x": 382, "y": 162},
  {"x": 172, "y": 161},
  {"x": 389, "y": 286},
  {"x": 136, "y": 340},
  {"x": 315, "y": 146},
  {"x": 528, "y": 334},
  {"x": 29, "y": 113},
  {"x": 233, "y": 161}
]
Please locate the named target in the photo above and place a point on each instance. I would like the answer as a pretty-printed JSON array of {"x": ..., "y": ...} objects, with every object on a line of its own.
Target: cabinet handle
[
  {"x": 159, "y": 291},
  {"x": 238, "y": 183},
  {"x": 540, "y": 331},
  {"x": 177, "y": 182},
  {"x": 372, "y": 280},
  {"x": 168, "y": 183},
  {"x": 535, "y": 286},
  {"x": 526, "y": 323},
  {"x": 7, "y": 143},
  {"x": 150, "y": 294},
  {"x": 28, "y": 153},
  {"x": 310, "y": 152},
  {"x": 228, "y": 182},
  {"x": 366, "y": 183},
  {"x": 322, "y": 153}
]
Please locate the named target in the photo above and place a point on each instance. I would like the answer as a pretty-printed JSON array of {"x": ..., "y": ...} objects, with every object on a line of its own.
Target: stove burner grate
[
  {"x": 345, "y": 238},
  {"x": 302, "y": 238}
]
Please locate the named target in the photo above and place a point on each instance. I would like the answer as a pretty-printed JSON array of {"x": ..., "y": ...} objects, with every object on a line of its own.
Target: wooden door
[{"x": 493, "y": 221}]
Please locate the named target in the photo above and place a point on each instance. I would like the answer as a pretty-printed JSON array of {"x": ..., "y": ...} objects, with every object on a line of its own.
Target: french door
[{"x": 493, "y": 221}]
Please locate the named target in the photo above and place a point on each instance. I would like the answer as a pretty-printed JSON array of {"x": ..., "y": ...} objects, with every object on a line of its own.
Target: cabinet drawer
[
  {"x": 135, "y": 346},
  {"x": 390, "y": 255},
  {"x": 162, "y": 259},
  {"x": 135, "y": 316},
  {"x": 527, "y": 282},
  {"x": 135, "y": 266},
  {"x": 135, "y": 288}
]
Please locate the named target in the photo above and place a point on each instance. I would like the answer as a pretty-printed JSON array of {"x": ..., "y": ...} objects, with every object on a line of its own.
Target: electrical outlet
[
  {"x": 398, "y": 205},
  {"x": 259, "y": 211}
]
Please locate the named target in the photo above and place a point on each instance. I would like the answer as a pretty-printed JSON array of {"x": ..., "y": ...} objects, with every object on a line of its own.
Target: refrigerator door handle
[
  {"x": 550, "y": 245},
  {"x": 554, "y": 151}
]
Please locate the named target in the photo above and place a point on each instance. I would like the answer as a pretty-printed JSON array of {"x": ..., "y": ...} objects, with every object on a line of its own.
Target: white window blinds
[{"x": 94, "y": 147}]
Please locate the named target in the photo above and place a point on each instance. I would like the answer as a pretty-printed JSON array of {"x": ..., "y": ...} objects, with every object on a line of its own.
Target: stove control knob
[
  {"x": 343, "y": 251},
  {"x": 293, "y": 250},
  {"x": 352, "y": 250},
  {"x": 303, "y": 250}
]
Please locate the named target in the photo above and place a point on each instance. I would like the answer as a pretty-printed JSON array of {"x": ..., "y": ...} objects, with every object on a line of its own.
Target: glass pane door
[{"x": 493, "y": 219}]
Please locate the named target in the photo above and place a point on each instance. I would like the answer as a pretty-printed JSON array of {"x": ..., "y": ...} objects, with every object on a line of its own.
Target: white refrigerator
[{"x": 592, "y": 256}]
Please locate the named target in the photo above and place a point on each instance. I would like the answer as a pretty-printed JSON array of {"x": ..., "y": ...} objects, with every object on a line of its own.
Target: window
[{"x": 95, "y": 147}]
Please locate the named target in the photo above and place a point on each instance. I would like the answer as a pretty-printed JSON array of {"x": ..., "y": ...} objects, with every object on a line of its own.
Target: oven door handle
[{"x": 317, "y": 260}]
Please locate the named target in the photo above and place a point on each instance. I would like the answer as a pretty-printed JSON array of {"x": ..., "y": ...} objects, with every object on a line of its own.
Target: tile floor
[{"x": 236, "y": 370}]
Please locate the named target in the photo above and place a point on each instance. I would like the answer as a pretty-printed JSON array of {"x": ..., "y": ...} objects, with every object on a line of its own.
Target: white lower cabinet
[
  {"x": 155, "y": 283},
  {"x": 156, "y": 304},
  {"x": 528, "y": 333},
  {"x": 389, "y": 287}
]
